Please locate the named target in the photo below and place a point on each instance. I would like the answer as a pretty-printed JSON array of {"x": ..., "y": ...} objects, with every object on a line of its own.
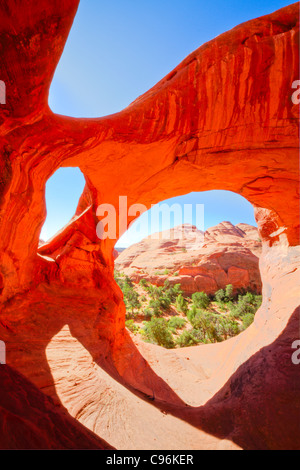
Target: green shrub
[
  {"x": 131, "y": 299},
  {"x": 248, "y": 303},
  {"x": 220, "y": 296},
  {"x": 143, "y": 283},
  {"x": 248, "y": 319},
  {"x": 131, "y": 326},
  {"x": 207, "y": 324},
  {"x": 148, "y": 313},
  {"x": 176, "y": 323},
  {"x": 159, "y": 305},
  {"x": 189, "y": 338},
  {"x": 227, "y": 327},
  {"x": 191, "y": 313},
  {"x": 181, "y": 304},
  {"x": 155, "y": 292},
  {"x": 157, "y": 331},
  {"x": 171, "y": 292},
  {"x": 154, "y": 305},
  {"x": 229, "y": 293},
  {"x": 200, "y": 300}
]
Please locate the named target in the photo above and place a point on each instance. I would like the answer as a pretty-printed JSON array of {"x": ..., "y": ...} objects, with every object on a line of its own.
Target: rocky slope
[
  {"x": 224, "y": 254},
  {"x": 223, "y": 119}
]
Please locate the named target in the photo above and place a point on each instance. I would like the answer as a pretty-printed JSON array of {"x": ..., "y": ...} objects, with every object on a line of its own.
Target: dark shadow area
[{"x": 30, "y": 420}]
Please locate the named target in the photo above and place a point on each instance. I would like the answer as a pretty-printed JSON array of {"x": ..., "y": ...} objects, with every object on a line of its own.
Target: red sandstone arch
[{"x": 223, "y": 119}]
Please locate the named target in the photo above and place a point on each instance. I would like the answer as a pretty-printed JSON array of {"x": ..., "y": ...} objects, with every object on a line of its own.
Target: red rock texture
[
  {"x": 223, "y": 119},
  {"x": 199, "y": 261},
  {"x": 30, "y": 420}
]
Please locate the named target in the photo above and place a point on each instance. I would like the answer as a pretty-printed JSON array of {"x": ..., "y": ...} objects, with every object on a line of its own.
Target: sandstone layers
[
  {"x": 224, "y": 254},
  {"x": 223, "y": 119}
]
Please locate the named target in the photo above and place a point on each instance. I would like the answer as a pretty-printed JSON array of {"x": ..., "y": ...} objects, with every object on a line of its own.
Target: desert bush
[
  {"x": 131, "y": 299},
  {"x": 181, "y": 304},
  {"x": 227, "y": 327},
  {"x": 223, "y": 297},
  {"x": 229, "y": 293},
  {"x": 248, "y": 319},
  {"x": 156, "y": 292},
  {"x": 200, "y": 300},
  {"x": 154, "y": 305},
  {"x": 131, "y": 326},
  {"x": 189, "y": 338},
  {"x": 176, "y": 323},
  {"x": 220, "y": 296},
  {"x": 191, "y": 313},
  {"x": 207, "y": 324},
  {"x": 172, "y": 292},
  {"x": 248, "y": 303},
  {"x": 143, "y": 283},
  {"x": 148, "y": 313},
  {"x": 157, "y": 331}
]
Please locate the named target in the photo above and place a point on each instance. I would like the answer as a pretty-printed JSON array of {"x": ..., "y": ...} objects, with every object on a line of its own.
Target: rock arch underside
[{"x": 223, "y": 119}]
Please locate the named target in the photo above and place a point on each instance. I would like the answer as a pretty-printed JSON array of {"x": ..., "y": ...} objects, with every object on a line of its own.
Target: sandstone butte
[
  {"x": 223, "y": 119},
  {"x": 198, "y": 261}
]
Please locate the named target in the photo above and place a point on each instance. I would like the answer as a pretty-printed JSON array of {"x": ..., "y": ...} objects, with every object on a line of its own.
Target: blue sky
[{"x": 119, "y": 49}]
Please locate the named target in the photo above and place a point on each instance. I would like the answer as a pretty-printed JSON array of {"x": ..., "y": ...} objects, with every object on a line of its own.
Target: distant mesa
[{"x": 199, "y": 261}]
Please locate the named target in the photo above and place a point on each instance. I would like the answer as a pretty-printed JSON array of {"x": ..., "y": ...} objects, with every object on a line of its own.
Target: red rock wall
[{"x": 223, "y": 119}]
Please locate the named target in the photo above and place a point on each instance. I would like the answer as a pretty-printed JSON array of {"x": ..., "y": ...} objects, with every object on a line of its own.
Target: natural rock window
[
  {"x": 189, "y": 281},
  {"x": 63, "y": 190}
]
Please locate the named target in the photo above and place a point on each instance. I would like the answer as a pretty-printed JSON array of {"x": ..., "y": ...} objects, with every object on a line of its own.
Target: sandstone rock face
[
  {"x": 225, "y": 254},
  {"x": 30, "y": 420},
  {"x": 223, "y": 119}
]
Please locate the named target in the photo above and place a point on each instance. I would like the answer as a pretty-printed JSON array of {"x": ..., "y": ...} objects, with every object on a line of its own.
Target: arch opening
[
  {"x": 189, "y": 269},
  {"x": 63, "y": 190}
]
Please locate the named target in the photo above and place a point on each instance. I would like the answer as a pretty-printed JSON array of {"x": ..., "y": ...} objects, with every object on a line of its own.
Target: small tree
[
  {"x": 143, "y": 283},
  {"x": 181, "y": 304},
  {"x": 248, "y": 303},
  {"x": 191, "y": 313},
  {"x": 155, "y": 306},
  {"x": 131, "y": 298},
  {"x": 176, "y": 323},
  {"x": 200, "y": 300},
  {"x": 229, "y": 292},
  {"x": 157, "y": 331},
  {"x": 131, "y": 326},
  {"x": 190, "y": 338},
  {"x": 207, "y": 324},
  {"x": 227, "y": 327},
  {"x": 248, "y": 319},
  {"x": 220, "y": 296}
]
